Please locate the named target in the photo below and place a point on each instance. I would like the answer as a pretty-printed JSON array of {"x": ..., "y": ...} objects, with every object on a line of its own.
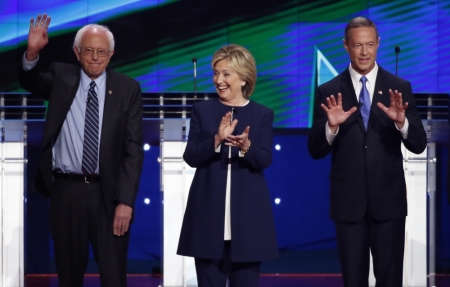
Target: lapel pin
[
  {"x": 110, "y": 92},
  {"x": 380, "y": 92}
]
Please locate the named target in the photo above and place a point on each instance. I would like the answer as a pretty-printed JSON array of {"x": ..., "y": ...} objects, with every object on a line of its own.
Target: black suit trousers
[
  {"x": 78, "y": 217},
  {"x": 384, "y": 239},
  {"x": 214, "y": 272}
]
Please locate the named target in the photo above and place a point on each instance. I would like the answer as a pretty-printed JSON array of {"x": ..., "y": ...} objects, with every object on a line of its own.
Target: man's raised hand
[
  {"x": 335, "y": 113},
  {"x": 37, "y": 36}
]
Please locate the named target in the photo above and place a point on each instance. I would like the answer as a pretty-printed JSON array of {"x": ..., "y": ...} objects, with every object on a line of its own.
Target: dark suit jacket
[
  {"x": 121, "y": 152},
  {"x": 366, "y": 167},
  {"x": 253, "y": 235}
]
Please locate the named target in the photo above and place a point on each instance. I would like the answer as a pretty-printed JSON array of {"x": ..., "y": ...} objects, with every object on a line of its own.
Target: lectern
[
  {"x": 15, "y": 110},
  {"x": 13, "y": 161},
  {"x": 434, "y": 111},
  {"x": 420, "y": 176},
  {"x": 173, "y": 111}
]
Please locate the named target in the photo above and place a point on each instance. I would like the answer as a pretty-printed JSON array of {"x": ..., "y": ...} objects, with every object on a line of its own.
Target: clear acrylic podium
[
  {"x": 12, "y": 178},
  {"x": 420, "y": 175},
  {"x": 415, "y": 258},
  {"x": 16, "y": 109},
  {"x": 434, "y": 111},
  {"x": 176, "y": 178}
]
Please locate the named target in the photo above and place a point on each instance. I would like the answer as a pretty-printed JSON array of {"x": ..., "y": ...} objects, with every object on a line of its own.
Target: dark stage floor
[{"x": 267, "y": 280}]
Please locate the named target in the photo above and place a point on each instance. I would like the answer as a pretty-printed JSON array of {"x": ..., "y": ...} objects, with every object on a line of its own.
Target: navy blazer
[
  {"x": 121, "y": 151},
  {"x": 366, "y": 167},
  {"x": 253, "y": 235}
]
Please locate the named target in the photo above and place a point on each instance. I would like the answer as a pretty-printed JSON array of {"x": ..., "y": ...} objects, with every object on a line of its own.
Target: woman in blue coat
[{"x": 228, "y": 225}]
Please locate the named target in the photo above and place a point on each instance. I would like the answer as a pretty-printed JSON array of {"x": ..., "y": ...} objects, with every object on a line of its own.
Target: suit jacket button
[{"x": 366, "y": 146}]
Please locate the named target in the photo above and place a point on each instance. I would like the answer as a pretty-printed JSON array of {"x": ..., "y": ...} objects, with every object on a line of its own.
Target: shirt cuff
[
  {"x": 404, "y": 130},
  {"x": 28, "y": 65},
  {"x": 218, "y": 148},
  {"x": 329, "y": 135}
]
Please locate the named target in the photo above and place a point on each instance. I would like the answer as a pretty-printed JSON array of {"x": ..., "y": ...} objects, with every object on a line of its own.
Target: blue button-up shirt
[{"x": 68, "y": 148}]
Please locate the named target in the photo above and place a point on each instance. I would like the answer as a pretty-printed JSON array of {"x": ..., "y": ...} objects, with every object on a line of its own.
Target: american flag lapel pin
[{"x": 380, "y": 92}]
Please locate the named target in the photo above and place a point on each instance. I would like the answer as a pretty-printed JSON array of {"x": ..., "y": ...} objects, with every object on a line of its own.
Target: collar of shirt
[
  {"x": 371, "y": 79},
  {"x": 86, "y": 81}
]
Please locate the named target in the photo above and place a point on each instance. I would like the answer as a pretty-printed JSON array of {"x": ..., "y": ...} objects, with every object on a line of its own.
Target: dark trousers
[
  {"x": 77, "y": 218},
  {"x": 214, "y": 272},
  {"x": 386, "y": 241}
]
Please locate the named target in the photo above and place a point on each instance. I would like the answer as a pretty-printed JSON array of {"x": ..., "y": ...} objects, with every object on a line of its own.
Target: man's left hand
[
  {"x": 396, "y": 111},
  {"x": 122, "y": 219}
]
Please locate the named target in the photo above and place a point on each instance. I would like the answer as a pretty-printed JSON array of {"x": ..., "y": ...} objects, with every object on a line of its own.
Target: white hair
[{"x": 80, "y": 33}]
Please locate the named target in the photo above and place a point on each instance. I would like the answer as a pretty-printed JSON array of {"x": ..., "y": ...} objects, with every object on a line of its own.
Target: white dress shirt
[
  {"x": 357, "y": 85},
  {"x": 227, "y": 231}
]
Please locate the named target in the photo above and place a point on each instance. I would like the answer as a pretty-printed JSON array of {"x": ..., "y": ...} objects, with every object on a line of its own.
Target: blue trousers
[{"x": 215, "y": 272}]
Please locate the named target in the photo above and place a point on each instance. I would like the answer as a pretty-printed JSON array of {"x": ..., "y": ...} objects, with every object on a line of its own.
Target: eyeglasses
[{"x": 90, "y": 52}]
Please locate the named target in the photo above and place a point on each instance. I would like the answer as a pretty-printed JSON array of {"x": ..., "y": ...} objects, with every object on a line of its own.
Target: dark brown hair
[{"x": 359, "y": 22}]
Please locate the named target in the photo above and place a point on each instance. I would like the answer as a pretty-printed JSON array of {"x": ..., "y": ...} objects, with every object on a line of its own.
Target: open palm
[
  {"x": 38, "y": 35},
  {"x": 396, "y": 110},
  {"x": 335, "y": 113},
  {"x": 226, "y": 127}
]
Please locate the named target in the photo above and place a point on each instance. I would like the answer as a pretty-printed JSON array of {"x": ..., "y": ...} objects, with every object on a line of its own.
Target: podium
[
  {"x": 434, "y": 110},
  {"x": 420, "y": 176},
  {"x": 12, "y": 200},
  {"x": 16, "y": 109},
  {"x": 176, "y": 178}
]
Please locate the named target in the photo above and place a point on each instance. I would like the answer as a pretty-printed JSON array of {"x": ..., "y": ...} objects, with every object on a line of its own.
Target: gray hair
[{"x": 80, "y": 33}]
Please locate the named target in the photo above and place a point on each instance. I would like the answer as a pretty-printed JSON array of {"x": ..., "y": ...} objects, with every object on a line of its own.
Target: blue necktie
[
  {"x": 90, "y": 143},
  {"x": 364, "y": 100}
]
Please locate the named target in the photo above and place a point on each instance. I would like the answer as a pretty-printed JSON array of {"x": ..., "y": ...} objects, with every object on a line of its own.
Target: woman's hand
[
  {"x": 240, "y": 141},
  {"x": 226, "y": 128}
]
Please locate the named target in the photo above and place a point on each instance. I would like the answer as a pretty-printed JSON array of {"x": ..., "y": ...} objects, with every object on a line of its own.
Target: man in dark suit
[
  {"x": 91, "y": 154},
  {"x": 367, "y": 184}
]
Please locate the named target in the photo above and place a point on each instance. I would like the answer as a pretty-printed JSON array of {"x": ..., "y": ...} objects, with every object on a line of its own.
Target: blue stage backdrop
[
  {"x": 297, "y": 45},
  {"x": 156, "y": 40}
]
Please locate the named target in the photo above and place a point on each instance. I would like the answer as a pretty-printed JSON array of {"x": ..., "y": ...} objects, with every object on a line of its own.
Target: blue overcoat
[{"x": 252, "y": 225}]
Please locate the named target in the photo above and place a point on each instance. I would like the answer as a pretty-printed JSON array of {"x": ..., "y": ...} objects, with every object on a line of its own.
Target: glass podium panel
[
  {"x": 173, "y": 111},
  {"x": 434, "y": 111},
  {"x": 415, "y": 256},
  {"x": 13, "y": 161},
  {"x": 175, "y": 182}
]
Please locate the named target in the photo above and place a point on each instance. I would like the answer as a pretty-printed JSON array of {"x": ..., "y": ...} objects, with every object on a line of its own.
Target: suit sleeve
[
  {"x": 200, "y": 146},
  {"x": 36, "y": 82},
  {"x": 259, "y": 155},
  {"x": 416, "y": 141},
  {"x": 318, "y": 146},
  {"x": 131, "y": 166}
]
